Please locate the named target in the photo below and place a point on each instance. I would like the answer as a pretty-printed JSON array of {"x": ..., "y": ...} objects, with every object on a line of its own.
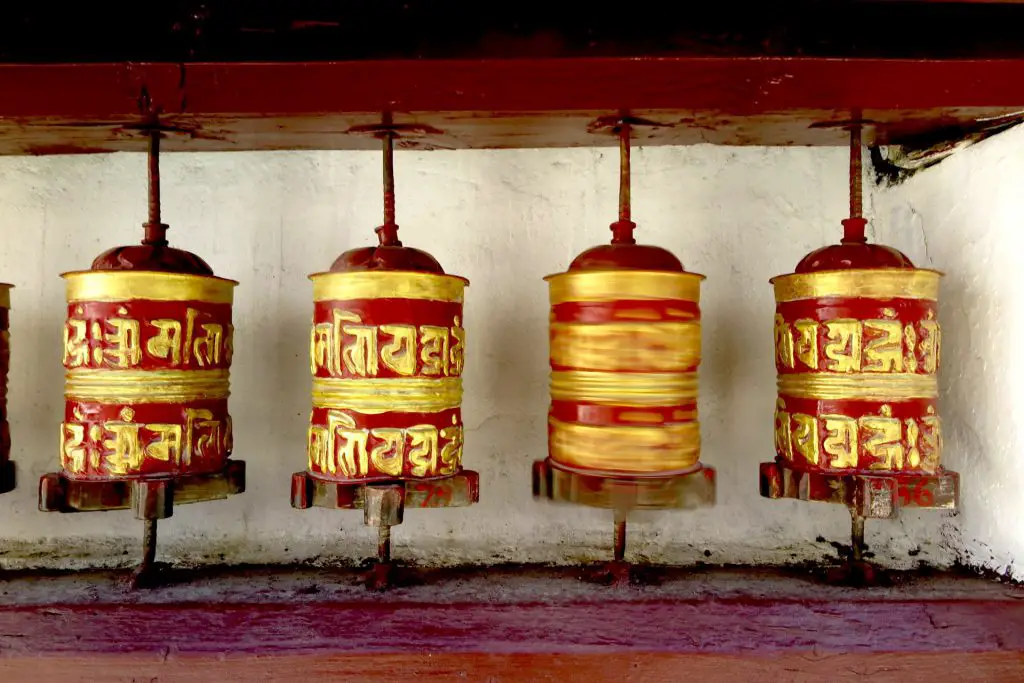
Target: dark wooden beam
[
  {"x": 317, "y": 30},
  {"x": 264, "y": 75}
]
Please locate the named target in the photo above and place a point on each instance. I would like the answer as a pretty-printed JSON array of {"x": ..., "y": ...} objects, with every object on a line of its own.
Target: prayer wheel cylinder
[
  {"x": 387, "y": 351},
  {"x": 147, "y": 356},
  {"x": 625, "y": 345},
  {"x": 857, "y": 349},
  {"x": 5, "y": 364}
]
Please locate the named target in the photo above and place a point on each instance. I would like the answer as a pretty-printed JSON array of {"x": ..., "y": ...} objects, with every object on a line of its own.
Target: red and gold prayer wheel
[
  {"x": 147, "y": 354},
  {"x": 386, "y": 353},
  {"x": 857, "y": 350},
  {"x": 147, "y": 357},
  {"x": 6, "y": 467},
  {"x": 624, "y": 352}
]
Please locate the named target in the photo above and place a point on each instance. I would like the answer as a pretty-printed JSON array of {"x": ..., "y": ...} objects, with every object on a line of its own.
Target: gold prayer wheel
[{"x": 624, "y": 352}]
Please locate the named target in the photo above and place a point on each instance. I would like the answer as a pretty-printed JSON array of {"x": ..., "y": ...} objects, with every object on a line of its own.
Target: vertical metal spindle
[{"x": 620, "y": 536}]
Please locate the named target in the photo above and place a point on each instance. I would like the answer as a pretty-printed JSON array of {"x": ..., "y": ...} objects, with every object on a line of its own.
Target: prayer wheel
[
  {"x": 6, "y": 466},
  {"x": 857, "y": 350},
  {"x": 624, "y": 352},
  {"x": 147, "y": 357},
  {"x": 386, "y": 354}
]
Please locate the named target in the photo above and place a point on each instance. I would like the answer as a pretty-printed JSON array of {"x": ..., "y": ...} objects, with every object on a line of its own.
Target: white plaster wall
[
  {"x": 963, "y": 217},
  {"x": 503, "y": 219}
]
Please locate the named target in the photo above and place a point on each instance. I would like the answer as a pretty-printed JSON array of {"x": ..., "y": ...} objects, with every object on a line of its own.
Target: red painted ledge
[{"x": 514, "y": 625}]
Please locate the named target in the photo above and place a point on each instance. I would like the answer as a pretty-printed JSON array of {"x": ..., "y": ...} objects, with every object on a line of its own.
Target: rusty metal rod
[
  {"x": 619, "y": 550},
  {"x": 856, "y": 174},
  {"x": 384, "y": 544},
  {"x": 388, "y": 232},
  {"x": 625, "y": 208},
  {"x": 622, "y": 229},
  {"x": 148, "y": 545},
  {"x": 857, "y": 537},
  {"x": 155, "y": 230}
]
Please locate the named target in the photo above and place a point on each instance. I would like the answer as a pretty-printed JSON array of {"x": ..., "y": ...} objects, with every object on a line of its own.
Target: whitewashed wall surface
[{"x": 505, "y": 219}]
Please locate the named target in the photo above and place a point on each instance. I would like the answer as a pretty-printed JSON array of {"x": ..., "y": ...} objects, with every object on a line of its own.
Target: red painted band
[
  {"x": 623, "y": 310},
  {"x": 912, "y": 408},
  {"x": 387, "y": 339},
  {"x": 110, "y": 441},
  {"x": 620, "y": 416},
  {"x": 344, "y": 445},
  {"x": 831, "y": 308},
  {"x": 391, "y": 311},
  {"x": 399, "y": 420},
  {"x": 148, "y": 335}
]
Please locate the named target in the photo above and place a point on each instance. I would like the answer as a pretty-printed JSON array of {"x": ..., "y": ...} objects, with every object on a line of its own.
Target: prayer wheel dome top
[
  {"x": 386, "y": 257},
  {"x": 853, "y": 254},
  {"x": 627, "y": 257},
  {"x": 151, "y": 257},
  {"x": 625, "y": 254}
]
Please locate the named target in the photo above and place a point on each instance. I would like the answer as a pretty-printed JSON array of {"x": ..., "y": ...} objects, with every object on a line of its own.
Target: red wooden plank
[
  {"x": 649, "y": 640},
  {"x": 498, "y": 103},
  {"x": 725, "y": 626},
  {"x": 171, "y": 667},
  {"x": 507, "y": 624}
]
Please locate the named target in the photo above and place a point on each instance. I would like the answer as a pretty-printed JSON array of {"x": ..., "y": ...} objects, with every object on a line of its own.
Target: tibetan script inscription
[
  {"x": 846, "y": 345},
  {"x": 345, "y": 347},
  {"x": 197, "y": 338}
]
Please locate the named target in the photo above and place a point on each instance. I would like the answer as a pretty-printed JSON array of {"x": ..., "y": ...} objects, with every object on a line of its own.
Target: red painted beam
[
  {"x": 607, "y": 640},
  {"x": 738, "y": 86},
  {"x": 499, "y": 103}
]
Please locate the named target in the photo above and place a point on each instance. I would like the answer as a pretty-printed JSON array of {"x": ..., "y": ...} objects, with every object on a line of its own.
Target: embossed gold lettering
[
  {"x": 168, "y": 447},
  {"x": 399, "y": 354},
  {"x": 882, "y": 440},
  {"x": 806, "y": 347},
  {"x": 843, "y": 348},
  {"x": 423, "y": 450},
  {"x": 929, "y": 346},
  {"x": 434, "y": 351},
  {"x": 166, "y": 343},
  {"x": 126, "y": 351},
  {"x": 783, "y": 431},
  {"x": 805, "y": 437},
  {"x": 783, "y": 343},
  {"x": 388, "y": 455},
  {"x": 840, "y": 441},
  {"x": 883, "y": 350},
  {"x": 76, "y": 344}
]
